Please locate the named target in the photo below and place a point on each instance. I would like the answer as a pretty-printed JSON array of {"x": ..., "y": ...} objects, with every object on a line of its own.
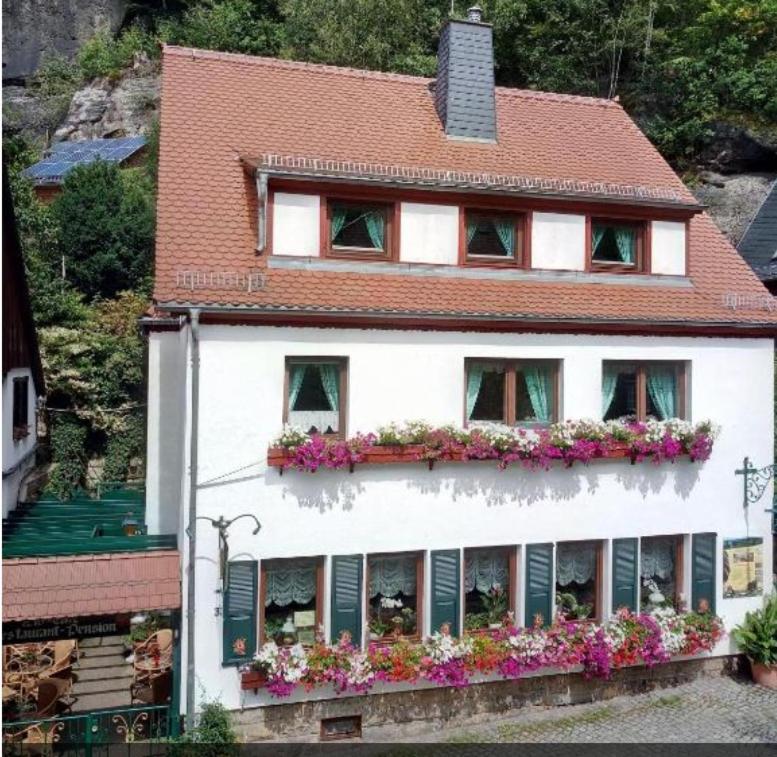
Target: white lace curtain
[
  {"x": 391, "y": 575},
  {"x": 293, "y": 581},
  {"x": 483, "y": 569},
  {"x": 575, "y": 562},
  {"x": 657, "y": 558}
]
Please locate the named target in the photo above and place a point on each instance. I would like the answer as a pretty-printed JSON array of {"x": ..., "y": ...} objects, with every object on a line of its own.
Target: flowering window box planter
[{"x": 253, "y": 680}]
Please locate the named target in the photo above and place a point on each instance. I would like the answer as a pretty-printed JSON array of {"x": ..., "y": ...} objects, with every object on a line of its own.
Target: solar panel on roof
[{"x": 64, "y": 156}]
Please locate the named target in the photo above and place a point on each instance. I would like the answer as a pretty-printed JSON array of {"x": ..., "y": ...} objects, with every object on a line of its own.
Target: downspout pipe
[{"x": 191, "y": 529}]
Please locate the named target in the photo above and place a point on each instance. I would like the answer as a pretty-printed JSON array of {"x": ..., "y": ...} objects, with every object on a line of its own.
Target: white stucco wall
[
  {"x": 667, "y": 253},
  {"x": 296, "y": 224},
  {"x": 166, "y": 420},
  {"x": 405, "y": 375},
  {"x": 558, "y": 241},
  {"x": 429, "y": 233},
  {"x": 16, "y": 451}
]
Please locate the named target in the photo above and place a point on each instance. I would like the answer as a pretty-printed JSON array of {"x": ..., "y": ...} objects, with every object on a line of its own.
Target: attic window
[
  {"x": 617, "y": 245},
  {"x": 492, "y": 237},
  {"x": 357, "y": 229}
]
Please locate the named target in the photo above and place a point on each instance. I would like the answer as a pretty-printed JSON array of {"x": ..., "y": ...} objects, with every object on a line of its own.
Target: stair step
[
  {"x": 114, "y": 672},
  {"x": 100, "y": 685},
  {"x": 95, "y": 653},
  {"x": 101, "y": 662},
  {"x": 101, "y": 701},
  {"x": 101, "y": 641}
]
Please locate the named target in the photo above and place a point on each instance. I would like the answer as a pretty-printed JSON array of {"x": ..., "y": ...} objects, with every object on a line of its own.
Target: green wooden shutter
[
  {"x": 240, "y": 612},
  {"x": 703, "y": 570},
  {"x": 445, "y": 589},
  {"x": 624, "y": 574},
  {"x": 347, "y": 597},
  {"x": 539, "y": 583}
]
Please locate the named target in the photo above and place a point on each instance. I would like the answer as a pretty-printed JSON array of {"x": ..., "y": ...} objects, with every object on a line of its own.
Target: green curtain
[
  {"x": 329, "y": 380},
  {"x": 539, "y": 383},
  {"x": 598, "y": 235},
  {"x": 338, "y": 221},
  {"x": 296, "y": 377},
  {"x": 661, "y": 384},
  {"x": 474, "y": 380},
  {"x": 505, "y": 229},
  {"x": 626, "y": 239},
  {"x": 609, "y": 382},
  {"x": 375, "y": 227},
  {"x": 472, "y": 227}
]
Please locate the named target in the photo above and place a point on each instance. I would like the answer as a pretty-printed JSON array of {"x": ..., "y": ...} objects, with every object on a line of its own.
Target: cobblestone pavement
[{"x": 707, "y": 710}]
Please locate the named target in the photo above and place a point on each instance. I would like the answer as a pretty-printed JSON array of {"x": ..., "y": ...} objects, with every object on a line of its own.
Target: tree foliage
[{"x": 105, "y": 218}]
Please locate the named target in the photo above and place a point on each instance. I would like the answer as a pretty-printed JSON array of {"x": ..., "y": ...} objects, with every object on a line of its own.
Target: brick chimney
[{"x": 464, "y": 90}]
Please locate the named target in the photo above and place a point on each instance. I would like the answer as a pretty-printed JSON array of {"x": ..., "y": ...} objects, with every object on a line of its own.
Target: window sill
[{"x": 20, "y": 433}]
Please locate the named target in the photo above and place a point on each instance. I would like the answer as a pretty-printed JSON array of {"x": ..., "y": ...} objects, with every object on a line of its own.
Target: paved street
[{"x": 706, "y": 710}]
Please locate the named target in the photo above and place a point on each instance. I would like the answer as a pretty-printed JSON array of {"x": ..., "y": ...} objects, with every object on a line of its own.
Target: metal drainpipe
[{"x": 194, "y": 319}]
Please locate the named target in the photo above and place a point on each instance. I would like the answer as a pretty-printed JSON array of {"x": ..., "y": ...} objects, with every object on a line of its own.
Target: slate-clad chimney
[{"x": 464, "y": 90}]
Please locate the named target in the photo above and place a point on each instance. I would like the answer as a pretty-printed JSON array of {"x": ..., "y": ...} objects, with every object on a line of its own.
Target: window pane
[
  {"x": 486, "y": 587},
  {"x": 290, "y": 601},
  {"x": 393, "y": 591},
  {"x": 314, "y": 397},
  {"x": 662, "y": 399},
  {"x": 358, "y": 226},
  {"x": 20, "y": 401},
  {"x": 485, "y": 393},
  {"x": 613, "y": 244},
  {"x": 490, "y": 235},
  {"x": 576, "y": 576},
  {"x": 534, "y": 394},
  {"x": 619, "y": 392},
  {"x": 658, "y": 577}
]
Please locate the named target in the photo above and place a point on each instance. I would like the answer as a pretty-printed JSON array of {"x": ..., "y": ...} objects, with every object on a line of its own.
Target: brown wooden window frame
[
  {"x": 510, "y": 370},
  {"x": 641, "y": 368},
  {"x": 520, "y": 222},
  {"x": 21, "y": 408},
  {"x": 342, "y": 362},
  {"x": 319, "y": 565},
  {"x": 512, "y": 579},
  {"x": 419, "y": 597},
  {"x": 642, "y": 262},
  {"x": 679, "y": 566},
  {"x": 597, "y": 613},
  {"x": 390, "y": 251}
]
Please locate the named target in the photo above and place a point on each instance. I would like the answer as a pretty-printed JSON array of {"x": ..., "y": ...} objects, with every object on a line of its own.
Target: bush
[
  {"x": 105, "y": 218},
  {"x": 757, "y": 635},
  {"x": 68, "y": 441},
  {"x": 105, "y": 55},
  {"x": 213, "y": 732},
  {"x": 122, "y": 447}
]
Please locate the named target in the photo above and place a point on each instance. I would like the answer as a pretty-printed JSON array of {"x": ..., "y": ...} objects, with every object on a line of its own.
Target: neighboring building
[
  {"x": 48, "y": 174},
  {"x": 342, "y": 249},
  {"x": 758, "y": 246},
  {"x": 22, "y": 371}
]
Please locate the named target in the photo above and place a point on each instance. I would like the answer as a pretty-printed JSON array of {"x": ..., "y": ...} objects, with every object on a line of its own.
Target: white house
[
  {"x": 341, "y": 250},
  {"x": 22, "y": 372}
]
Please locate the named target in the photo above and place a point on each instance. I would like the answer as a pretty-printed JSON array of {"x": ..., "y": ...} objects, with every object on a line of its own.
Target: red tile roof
[
  {"x": 218, "y": 107},
  {"x": 59, "y": 587}
]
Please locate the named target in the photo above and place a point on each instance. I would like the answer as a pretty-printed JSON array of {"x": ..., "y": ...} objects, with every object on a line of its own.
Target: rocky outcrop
[
  {"x": 733, "y": 199},
  {"x": 108, "y": 108},
  {"x": 35, "y": 29}
]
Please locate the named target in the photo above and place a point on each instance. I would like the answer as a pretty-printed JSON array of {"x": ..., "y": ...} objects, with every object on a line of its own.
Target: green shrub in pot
[{"x": 757, "y": 638}]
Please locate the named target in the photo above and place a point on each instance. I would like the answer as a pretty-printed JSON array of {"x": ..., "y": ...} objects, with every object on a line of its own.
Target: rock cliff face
[{"x": 33, "y": 29}]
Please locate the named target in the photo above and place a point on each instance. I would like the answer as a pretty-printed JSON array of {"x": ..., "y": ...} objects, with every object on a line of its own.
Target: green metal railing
[{"x": 93, "y": 733}]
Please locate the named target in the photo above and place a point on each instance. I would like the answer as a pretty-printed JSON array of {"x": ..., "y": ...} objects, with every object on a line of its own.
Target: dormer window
[
  {"x": 617, "y": 245},
  {"x": 492, "y": 238},
  {"x": 359, "y": 229}
]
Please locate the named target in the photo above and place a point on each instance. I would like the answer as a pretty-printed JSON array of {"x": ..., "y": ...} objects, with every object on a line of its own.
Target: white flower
[
  {"x": 291, "y": 436},
  {"x": 387, "y": 603},
  {"x": 443, "y": 649}
]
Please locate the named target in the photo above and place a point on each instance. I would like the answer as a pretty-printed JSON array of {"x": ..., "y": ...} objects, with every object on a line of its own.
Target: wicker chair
[
  {"x": 156, "y": 689},
  {"x": 153, "y": 657},
  {"x": 54, "y": 697},
  {"x": 64, "y": 651}
]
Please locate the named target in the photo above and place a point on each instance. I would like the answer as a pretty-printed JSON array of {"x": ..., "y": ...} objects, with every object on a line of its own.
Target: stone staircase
[{"x": 103, "y": 676}]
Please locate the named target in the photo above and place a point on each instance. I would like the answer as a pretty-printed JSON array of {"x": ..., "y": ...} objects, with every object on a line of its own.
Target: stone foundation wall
[{"x": 402, "y": 710}]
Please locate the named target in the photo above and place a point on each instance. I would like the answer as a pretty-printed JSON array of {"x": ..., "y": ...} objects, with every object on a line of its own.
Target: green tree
[{"x": 106, "y": 228}]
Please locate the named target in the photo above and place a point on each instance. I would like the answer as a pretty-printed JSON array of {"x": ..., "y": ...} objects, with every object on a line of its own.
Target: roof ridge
[{"x": 366, "y": 73}]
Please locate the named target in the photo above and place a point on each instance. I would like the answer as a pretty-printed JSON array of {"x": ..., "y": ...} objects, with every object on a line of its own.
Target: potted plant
[
  {"x": 571, "y": 608},
  {"x": 495, "y": 605},
  {"x": 253, "y": 676},
  {"x": 757, "y": 638}
]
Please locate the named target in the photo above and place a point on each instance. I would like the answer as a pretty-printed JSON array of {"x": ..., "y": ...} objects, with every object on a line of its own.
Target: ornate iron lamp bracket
[
  {"x": 755, "y": 482},
  {"x": 222, "y": 525}
]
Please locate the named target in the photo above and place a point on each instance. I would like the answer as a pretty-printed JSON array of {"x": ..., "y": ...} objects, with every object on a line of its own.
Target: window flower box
[
  {"x": 252, "y": 680},
  {"x": 564, "y": 443}
]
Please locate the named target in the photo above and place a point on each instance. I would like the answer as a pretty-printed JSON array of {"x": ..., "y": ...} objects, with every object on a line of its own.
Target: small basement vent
[{"x": 345, "y": 727}]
